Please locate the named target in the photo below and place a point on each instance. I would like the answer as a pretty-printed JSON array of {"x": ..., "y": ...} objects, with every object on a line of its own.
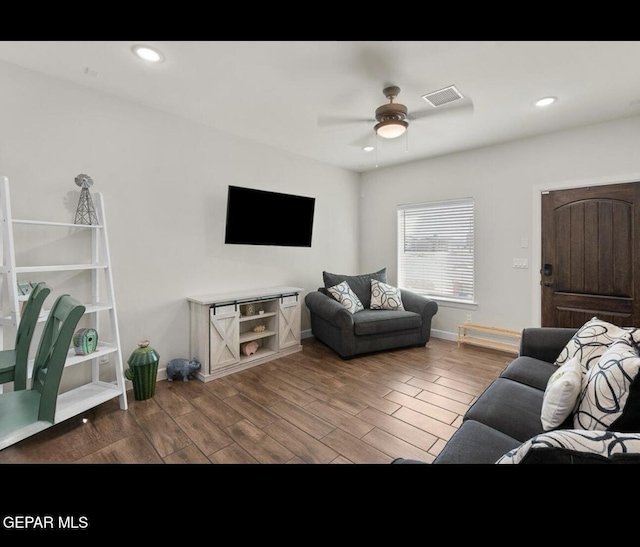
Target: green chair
[
  {"x": 13, "y": 362},
  {"x": 26, "y": 412}
]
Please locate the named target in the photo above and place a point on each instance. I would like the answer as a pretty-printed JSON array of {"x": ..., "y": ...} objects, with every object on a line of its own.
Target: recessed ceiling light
[
  {"x": 545, "y": 101},
  {"x": 368, "y": 148},
  {"x": 148, "y": 53}
]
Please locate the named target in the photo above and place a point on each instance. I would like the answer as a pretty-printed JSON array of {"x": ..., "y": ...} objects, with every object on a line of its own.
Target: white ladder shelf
[{"x": 78, "y": 399}]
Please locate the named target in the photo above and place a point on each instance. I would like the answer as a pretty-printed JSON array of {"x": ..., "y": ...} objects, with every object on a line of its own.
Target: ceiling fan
[{"x": 393, "y": 119}]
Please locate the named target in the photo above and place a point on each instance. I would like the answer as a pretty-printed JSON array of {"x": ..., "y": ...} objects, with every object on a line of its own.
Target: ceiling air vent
[{"x": 443, "y": 96}]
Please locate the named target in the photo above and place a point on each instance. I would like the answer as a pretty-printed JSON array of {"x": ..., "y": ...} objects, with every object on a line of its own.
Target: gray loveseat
[
  {"x": 368, "y": 330},
  {"x": 504, "y": 424}
]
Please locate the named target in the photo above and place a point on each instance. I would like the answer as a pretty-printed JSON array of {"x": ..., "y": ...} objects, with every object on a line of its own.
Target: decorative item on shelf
[
  {"x": 86, "y": 213},
  {"x": 182, "y": 368},
  {"x": 24, "y": 290},
  {"x": 261, "y": 312},
  {"x": 250, "y": 309},
  {"x": 85, "y": 341},
  {"x": 249, "y": 348},
  {"x": 143, "y": 370},
  {"x": 259, "y": 328},
  {"x": 24, "y": 287}
]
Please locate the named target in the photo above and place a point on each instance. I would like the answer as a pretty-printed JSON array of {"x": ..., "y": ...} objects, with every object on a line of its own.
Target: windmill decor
[{"x": 86, "y": 213}]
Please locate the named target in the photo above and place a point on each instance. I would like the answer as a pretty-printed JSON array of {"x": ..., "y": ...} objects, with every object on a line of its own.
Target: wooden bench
[{"x": 489, "y": 337}]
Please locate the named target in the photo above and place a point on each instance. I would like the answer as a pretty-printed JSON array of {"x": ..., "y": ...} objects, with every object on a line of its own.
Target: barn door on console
[
  {"x": 289, "y": 322},
  {"x": 591, "y": 255},
  {"x": 224, "y": 337}
]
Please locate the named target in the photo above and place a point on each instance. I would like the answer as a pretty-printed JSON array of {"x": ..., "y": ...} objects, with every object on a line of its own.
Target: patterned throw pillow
[
  {"x": 599, "y": 445},
  {"x": 590, "y": 342},
  {"x": 343, "y": 294},
  {"x": 385, "y": 297},
  {"x": 606, "y": 386},
  {"x": 561, "y": 394},
  {"x": 360, "y": 284}
]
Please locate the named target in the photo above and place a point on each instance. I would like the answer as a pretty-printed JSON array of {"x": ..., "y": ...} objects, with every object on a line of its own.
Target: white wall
[
  {"x": 505, "y": 182},
  {"x": 164, "y": 183}
]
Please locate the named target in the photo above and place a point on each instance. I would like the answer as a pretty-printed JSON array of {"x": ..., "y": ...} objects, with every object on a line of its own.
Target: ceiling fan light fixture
[{"x": 390, "y": 129}]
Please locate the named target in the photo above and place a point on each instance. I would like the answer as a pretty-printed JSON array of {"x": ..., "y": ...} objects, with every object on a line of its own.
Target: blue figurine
[{"x": 182, "y": 368}]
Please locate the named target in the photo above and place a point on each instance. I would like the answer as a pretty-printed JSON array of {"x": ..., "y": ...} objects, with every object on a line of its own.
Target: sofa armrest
[
  {"x": 329, "y": 309},
  {"x": 544, "y": 343},
  {"x": 419, "y": 304},
  {"x": 423, "y": 306},
  {"x": 576, "y": 446}
]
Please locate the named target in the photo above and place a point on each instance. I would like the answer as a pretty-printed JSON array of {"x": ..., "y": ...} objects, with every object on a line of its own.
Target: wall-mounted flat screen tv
[{"x": 260, "y": 217}]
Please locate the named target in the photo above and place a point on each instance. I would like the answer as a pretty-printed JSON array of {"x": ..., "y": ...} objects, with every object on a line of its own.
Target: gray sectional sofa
[
  {"x": 504, "y": 424},
  {"x": 368, "y": 330}
]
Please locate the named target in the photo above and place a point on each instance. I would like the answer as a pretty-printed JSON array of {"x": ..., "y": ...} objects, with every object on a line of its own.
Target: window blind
[{"x": 436, "y": 249}]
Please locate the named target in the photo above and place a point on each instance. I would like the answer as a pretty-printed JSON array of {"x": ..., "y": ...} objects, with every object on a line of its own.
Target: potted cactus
[{"x": 143, "y": 370}]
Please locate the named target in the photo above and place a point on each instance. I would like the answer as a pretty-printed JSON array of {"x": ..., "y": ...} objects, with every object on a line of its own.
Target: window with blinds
[{"x": 435, "y": 249}]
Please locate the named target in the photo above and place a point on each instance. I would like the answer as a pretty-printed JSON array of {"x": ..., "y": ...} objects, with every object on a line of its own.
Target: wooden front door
[{"x": 591, "y": 255}]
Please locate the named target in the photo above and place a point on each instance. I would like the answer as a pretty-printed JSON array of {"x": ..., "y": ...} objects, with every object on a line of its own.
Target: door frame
[{"x": 536, "y": 228}]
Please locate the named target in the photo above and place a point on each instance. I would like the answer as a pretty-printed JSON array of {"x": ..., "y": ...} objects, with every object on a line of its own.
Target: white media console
[{"x": 223, "y": 324}]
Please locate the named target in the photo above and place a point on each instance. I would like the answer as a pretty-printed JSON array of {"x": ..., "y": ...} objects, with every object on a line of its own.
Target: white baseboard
[
  {"x": 444, "y": 334},
  {"x": 434, "y": 332}
]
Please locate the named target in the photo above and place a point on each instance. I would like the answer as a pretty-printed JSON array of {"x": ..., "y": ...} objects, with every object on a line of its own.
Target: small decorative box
[{"x": 85, "y": 341}]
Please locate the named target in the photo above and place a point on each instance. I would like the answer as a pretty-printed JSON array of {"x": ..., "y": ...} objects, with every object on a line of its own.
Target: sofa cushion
[
  {"x": 577, "y": 446},
  {"x": 343, "y": 294},
  {"x": 385, "y": 297},
  {"x": 385, "y": 321},
  {"x": 544, "y": 343},
  {"x": 529, "y": 371},
  {"x": 590, "y": 342},
  {"x": 476, "y": 443},
  {"x": 561, "y": 395},
  {"x": 607, "y": 385},
  {"x": 510, "y": 407},
  {"x": 360, "y": 284}
]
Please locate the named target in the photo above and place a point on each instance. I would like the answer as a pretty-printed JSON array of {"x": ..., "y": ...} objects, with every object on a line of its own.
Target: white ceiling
[{"x": 276, "y": 91}]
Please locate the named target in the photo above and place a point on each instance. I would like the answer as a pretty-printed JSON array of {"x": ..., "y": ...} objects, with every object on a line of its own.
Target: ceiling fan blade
[
  {"x": 340, "y": 121},
  {"x": 367, "y": 139},
  {"x": 464, "y": 107}
]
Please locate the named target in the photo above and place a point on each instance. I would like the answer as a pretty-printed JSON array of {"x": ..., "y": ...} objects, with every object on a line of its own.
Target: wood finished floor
[{"x": 309, "y": 407}]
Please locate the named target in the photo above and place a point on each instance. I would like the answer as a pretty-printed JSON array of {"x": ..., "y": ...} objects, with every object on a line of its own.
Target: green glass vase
[{"x": 143, "y": 371}]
